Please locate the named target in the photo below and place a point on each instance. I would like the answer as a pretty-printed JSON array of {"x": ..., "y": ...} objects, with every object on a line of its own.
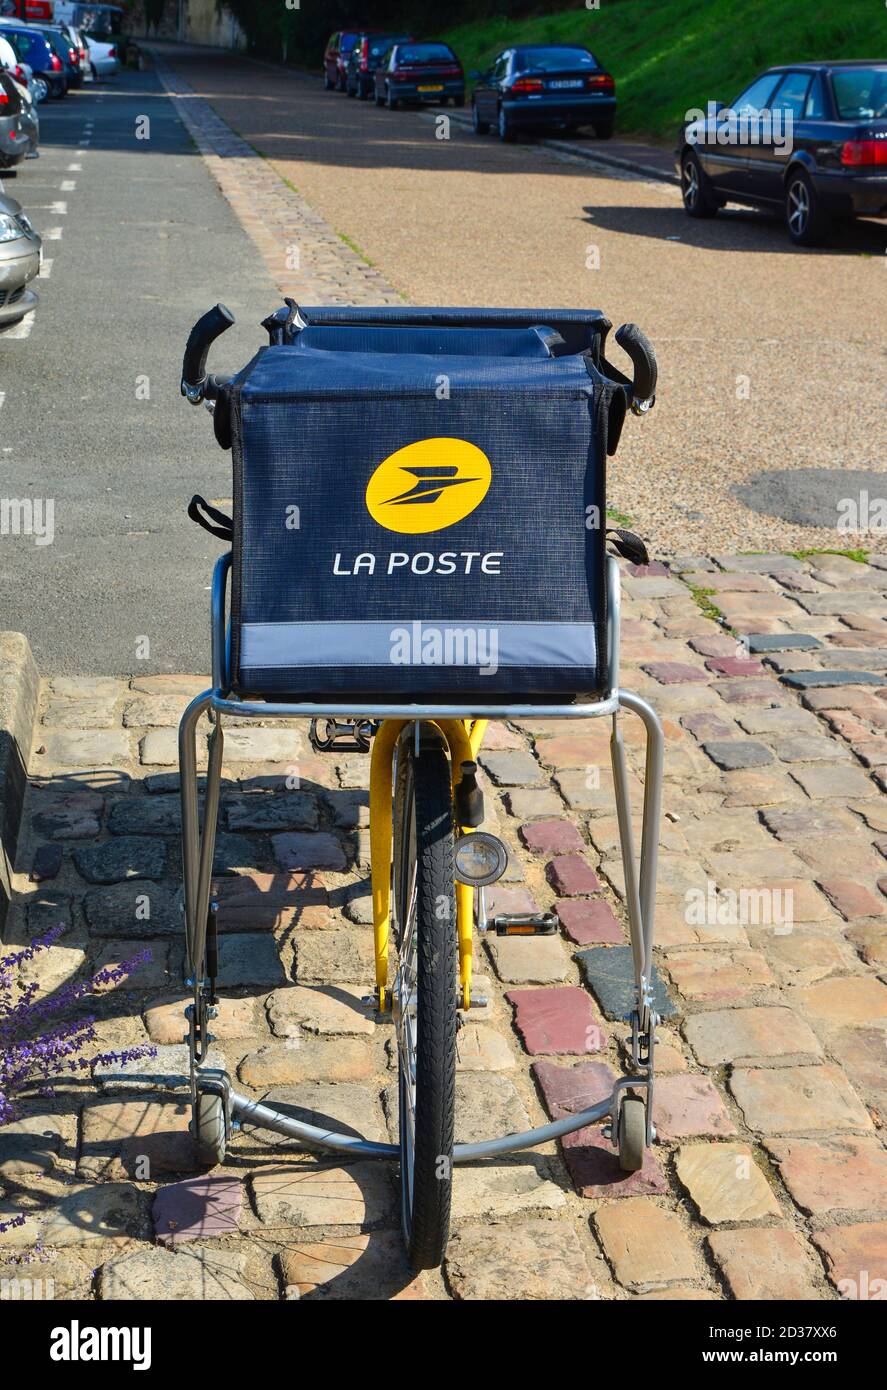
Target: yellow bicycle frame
[{"x": 463, "y": 738}]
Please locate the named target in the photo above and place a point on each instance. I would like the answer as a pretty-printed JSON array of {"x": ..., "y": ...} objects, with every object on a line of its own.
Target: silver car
[{"x": 21, "y": 251}]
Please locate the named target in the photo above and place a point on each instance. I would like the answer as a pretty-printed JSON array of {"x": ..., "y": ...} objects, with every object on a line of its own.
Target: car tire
[
  {"x": 695, "y": 192},
  {"x": 362, "y": 92},
  {"x": 391, "y": 101},
  {"x": 327, "y": 82},
  {"x": 603, "y": 130},
  {"x": 805, "y": 221},
  {"x": 349, "y": 91},
  {"x": 504, "y": 127},
  {"x": 458, "y": 102},
  {"x": 478, "y": 126}
]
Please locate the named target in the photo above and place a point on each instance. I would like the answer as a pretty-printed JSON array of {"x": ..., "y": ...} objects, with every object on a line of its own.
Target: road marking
[
  {"x": 53, "y": 234},
  {"x": 67, "y": 185},
  {"x": 45, "y": 270},
  {"x": 2, "y": 398},
  {"x": 75, "y": 168},
  {"x": 59, "y": 208},
  {"x": 23, "y": 329}
]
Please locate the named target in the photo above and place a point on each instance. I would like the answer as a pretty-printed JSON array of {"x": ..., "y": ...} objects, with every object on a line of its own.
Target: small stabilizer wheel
[
  {"x": 632, "y": 1134},
  {"x": 210, "y": 1129}
]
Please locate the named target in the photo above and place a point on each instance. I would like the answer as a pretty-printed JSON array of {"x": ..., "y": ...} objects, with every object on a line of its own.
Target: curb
[{"x": 19, "y": 690}]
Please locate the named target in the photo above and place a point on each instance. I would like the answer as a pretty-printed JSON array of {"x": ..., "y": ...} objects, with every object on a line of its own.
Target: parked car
[
  {"x": 23, "y": 72},
  {"x": 363, "y": 60},
  {"x": 808, "y": 138},
  {"x": 35, "y": 50},
  {"x": 102, "y": 55},
  {"x": 419, "y": 72},
  {"x": 67, "y": 51},
  {"x": 19, "y": 127},
  {"x": 335, "y": 59},
  {"x": 20, "y": 255},
  {"x": 538, "y": 85}
]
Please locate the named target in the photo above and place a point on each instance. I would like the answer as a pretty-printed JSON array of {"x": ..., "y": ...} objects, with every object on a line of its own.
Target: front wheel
[
  {"x": 695, "y": 192},
  {"x": 391, "y": 100},
  {"x": 805, "y": 221},
  {"x": 424, "y": 996}
]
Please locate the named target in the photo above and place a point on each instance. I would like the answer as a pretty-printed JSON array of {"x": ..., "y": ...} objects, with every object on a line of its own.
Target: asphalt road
[
  {"x": 771, "y": 357},
  {"x": 141, "y": 243}
]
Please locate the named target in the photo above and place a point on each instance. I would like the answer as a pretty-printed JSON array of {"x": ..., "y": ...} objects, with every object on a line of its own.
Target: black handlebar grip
[
  {"x": 639, "y": 348},
  {"x": 212, "y": 325}
]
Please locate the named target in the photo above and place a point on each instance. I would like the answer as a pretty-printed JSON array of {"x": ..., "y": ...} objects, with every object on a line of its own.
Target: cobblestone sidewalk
[{"x": 768, "y": 1180}]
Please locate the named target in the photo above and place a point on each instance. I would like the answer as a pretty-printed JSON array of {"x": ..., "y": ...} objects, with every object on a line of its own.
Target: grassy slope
[{"x": 670, "y": 55}]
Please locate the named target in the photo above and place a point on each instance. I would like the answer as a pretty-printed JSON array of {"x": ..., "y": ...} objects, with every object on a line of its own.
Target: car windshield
[
  {"x": 347, "y": 42},
  {"x": 417, "y": 53},
  {"x": 860, "y": 93},
  {"x": 379, "y": 46},
  {"x": 553, "y": 59}
]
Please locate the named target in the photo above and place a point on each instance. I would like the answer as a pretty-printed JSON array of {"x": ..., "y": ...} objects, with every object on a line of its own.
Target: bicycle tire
[{"x": 423, "y": 859}]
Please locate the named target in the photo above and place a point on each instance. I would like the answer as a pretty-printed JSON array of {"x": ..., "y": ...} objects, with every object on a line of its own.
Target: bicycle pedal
[{"x": 525, "y": 924}]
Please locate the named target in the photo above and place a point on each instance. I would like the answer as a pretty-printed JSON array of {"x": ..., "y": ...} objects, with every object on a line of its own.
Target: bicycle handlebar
[
  {"x": 638, "y": 347},
  {"x": 196, "y": 385}
]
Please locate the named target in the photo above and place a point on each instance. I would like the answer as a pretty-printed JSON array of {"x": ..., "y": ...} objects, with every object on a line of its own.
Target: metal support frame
[{"x": 640, "y": 882}]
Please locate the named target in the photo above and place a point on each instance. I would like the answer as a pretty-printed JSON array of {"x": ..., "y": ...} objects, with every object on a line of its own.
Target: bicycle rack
[{"x": 640, "y": 881}]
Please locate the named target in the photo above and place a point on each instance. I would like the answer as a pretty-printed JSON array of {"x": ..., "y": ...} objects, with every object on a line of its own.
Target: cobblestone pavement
[{"x": 768, "y": 1180}]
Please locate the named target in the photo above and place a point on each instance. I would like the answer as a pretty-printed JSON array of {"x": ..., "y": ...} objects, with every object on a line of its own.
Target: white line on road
[
  {"x": 75, "y": 168},
  {"x": 45, "y": 270},
  {"x": 53, "y": 234},
  {"x": 23, "y": 329},
  {"x": 2, "y": 398},
  {"x": 68, "y": 185}
]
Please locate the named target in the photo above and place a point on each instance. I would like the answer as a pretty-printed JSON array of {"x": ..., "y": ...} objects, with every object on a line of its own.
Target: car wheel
[
  {"x": 378, "y": 97},
  {"x": 349, "y": 91},
  {"x": 458, "y": 102},
  {"x": 391, "y": 101},
  {"x": 695, "y": 192},
  {"x": 327, "y": 82},
  {"x": 603, "y": 130},
  {"x": 362, "y": 92},
  {"x": 479, "y": 127},
  {"x": 506, "y": 129},
  {"x": 805, "y": 221}
]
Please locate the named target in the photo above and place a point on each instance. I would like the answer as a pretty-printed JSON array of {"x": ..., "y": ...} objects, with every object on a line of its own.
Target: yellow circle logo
[{"x": 428, "y": 485}]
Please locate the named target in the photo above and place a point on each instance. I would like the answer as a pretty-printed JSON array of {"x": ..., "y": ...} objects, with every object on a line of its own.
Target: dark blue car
[
  {"x": 537, "y": 85},
  {"x": 418, "y": 73}
]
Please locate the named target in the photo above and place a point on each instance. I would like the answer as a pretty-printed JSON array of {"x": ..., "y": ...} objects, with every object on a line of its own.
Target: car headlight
[
  {"x": 25, "y": 224},
  {"x": 479, "y": 858},
  {"x": 9, "y": 228}
]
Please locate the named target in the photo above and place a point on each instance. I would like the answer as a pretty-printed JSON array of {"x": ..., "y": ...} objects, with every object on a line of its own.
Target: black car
[
  {"x": 419, "y": 72},
  {"x": 810, "y": 138},
  {"x": 363, "y": 60},
  {"x": 560, "y": 85}
]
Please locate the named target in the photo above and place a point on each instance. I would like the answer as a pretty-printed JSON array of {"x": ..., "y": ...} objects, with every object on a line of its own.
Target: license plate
[
  {"x": 566, "y": 82},
  {"x": 438, "y": 87}
]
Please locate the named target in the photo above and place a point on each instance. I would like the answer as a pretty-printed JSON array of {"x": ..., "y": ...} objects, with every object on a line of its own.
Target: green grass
[
  {"x": 670, "y": 55},
  {"x": 859, "y": 554},
  {"x": 704, "y": 600}
]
